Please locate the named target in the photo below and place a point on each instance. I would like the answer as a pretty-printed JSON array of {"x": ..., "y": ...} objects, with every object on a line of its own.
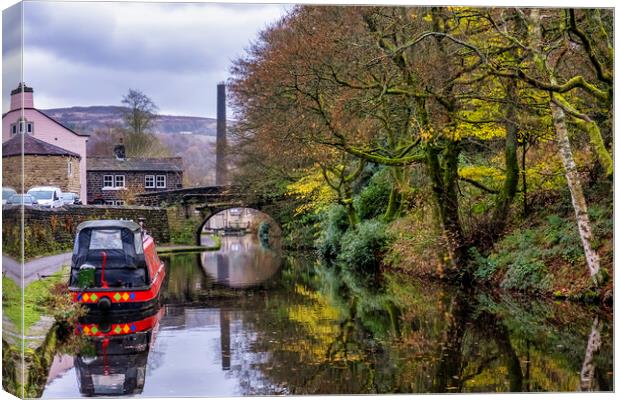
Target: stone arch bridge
[{"x": 203, "y": 202}]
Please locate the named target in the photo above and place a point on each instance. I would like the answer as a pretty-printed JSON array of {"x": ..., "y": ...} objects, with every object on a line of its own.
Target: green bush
[
  {"x": 372, "y": 201},
  {"x": 363, "y": 246},
  {"x": 530, "y": 275},
  {"x": 483, "y": 267},
  {"x": 334, "y": 224}
]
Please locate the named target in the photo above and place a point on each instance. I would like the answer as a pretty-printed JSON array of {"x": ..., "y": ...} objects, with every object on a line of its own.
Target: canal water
[{"x": 250, "y": 320}]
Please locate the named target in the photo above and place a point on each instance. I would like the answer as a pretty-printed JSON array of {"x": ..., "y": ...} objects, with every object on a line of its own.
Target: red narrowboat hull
[{"x": 122, "y": 299}]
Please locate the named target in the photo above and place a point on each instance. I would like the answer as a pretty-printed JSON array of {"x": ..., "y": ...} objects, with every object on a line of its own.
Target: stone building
[
  {"x": 23, "y": 119},
  {"x": 116, "y": 180},
  {"x": 44, "y": 165}
]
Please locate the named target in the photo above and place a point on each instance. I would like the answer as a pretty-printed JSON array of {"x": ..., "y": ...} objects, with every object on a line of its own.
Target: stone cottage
[
  {"x": 24, "y": 119},
  {"x": 116, "y": 180},
  {"x": 44, "y": 164}
]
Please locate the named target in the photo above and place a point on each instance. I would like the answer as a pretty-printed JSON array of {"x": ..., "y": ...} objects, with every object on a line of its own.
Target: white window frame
[
  {"x": 30, "y": 128},
  {"x": 146, "y": 181},
  {"x": 116, "y": 181},
  {"x": 157, "y": 178},
  {"x": 109, "y": 202},
  {"x": 119, "y": 202},
  {"x": 14, "y": 129},
  {"x": 69, "y": 168},
  {"x": 111, "y": 185}
]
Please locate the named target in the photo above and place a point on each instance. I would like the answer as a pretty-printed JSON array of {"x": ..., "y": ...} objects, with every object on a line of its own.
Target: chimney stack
[
  {"x": 22, "y": 96},
  {"x": 220, "y": 151},
  {"x": 119, "y": 151}
]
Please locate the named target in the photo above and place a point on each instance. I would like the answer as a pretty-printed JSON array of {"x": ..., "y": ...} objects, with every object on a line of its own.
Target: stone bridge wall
[{"x": 48, "y": 231}]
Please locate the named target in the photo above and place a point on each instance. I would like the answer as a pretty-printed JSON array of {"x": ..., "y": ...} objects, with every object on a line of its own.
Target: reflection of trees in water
[{"x": 341, "y": 333}]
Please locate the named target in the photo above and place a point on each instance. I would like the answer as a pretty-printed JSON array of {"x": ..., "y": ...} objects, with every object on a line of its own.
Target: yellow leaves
[
  {"x": 313, "y": 191},
  {"x": 480, "y": 172}
]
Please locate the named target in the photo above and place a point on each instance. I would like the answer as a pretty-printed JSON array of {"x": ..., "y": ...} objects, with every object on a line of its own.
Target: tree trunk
[
  {"x": 507, "y": 195},
  {"x": 566, "y": 154},
  {"x": 443, "y": 183},
  {"x": 576, "y": 190}
]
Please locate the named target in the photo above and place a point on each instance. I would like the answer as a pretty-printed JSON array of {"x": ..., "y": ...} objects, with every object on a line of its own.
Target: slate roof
[
  {"x": 33, "y": 146},
  {"x": 170, "y": 164}
]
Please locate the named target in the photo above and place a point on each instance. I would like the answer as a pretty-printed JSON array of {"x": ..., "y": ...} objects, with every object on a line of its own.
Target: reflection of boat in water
[
  {"x": 113, "y": 362},
  {"x": 115, "y": 267},
  {"x": 241, "y": 262}
]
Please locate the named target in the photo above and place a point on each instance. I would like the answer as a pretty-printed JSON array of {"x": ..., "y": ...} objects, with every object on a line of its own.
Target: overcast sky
[{"x": 80, "y": 54}]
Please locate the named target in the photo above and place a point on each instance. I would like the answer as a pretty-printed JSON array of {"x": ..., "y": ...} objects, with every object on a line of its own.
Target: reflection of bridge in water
[{"x": 241, "y": 262}]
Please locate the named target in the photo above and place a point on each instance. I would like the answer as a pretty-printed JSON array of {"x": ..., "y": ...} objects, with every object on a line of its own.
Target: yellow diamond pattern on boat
[
  {"x": 86, "y": 330},
  {"x": 125, "y": 296},
  {"x": 126, "y": 328}
]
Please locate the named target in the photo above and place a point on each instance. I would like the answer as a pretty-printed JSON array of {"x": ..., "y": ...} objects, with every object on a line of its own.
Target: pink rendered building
[{"x": 24, "y": 118}]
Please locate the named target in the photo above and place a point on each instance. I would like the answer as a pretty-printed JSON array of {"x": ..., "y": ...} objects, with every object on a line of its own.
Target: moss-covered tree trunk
[
  {"x": 507, "y": 195},
  {"x": 443, "y": 183}
]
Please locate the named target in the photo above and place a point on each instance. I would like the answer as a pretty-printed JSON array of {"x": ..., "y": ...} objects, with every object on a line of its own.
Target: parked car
[
  {"x": 70, "y": 198},
  {"x": 6, "y": 193},
  {"x": 24, "y": 199},
  {"x": 47, "y": 196}
]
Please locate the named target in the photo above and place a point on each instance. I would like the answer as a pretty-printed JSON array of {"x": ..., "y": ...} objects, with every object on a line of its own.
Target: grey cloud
[{"x": 91, "y": 53}]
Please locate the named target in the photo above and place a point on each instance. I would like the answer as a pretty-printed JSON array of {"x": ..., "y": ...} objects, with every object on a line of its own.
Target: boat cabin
[{"x": 114, "y": 260}]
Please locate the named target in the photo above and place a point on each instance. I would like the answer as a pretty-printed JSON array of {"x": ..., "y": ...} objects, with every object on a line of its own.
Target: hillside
[
  {"x": 89, "y": 119},
  {"x": 192, "y": 138}
]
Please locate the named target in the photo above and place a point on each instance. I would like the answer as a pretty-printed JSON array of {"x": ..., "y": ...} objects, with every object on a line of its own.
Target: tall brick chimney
[{"x": 220, "y": 149}]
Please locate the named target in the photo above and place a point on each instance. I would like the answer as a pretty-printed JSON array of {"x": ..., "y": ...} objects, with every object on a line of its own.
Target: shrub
[
  {"x": 372, "y": 201},
  {"x": 530, "y": 275},
  {"x": 483, "y": 267},
  {"x": 363, "y": 246},
  {"x": 333, "y": 225}
]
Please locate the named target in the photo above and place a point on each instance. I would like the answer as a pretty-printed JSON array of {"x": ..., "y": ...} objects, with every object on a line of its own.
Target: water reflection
[
  {"x": 317, "y": 330},
  {"x": 113, "y": 360},
  {"x": 242, "y": 261}
]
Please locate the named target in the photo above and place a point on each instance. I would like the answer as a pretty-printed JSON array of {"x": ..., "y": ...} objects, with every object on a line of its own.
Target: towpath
[{"x": 33, "y": 269}]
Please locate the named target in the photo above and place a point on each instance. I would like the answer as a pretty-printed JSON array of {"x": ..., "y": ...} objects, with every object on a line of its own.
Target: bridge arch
[{"x": 209, "y": 212}]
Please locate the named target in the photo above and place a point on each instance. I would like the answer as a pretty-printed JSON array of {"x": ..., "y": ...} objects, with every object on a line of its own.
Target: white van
[{"x": 47, "y": 196}]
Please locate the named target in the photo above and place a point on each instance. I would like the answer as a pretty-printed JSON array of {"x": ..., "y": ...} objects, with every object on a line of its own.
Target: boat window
[
  {"x": 106, "y": 239},
  {"x": 108, "y": 384},
  {"x": 76, "y": 244},
  {"x": 137, "y": 241}
]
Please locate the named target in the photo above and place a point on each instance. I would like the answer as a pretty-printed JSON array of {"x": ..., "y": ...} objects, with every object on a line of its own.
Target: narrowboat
[
  {"x": 115, "y": 267},
  {"x": 113, "y": 360}
]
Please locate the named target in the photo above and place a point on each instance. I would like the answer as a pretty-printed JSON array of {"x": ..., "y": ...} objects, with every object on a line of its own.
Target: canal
[{"x": 250, "y": 320}]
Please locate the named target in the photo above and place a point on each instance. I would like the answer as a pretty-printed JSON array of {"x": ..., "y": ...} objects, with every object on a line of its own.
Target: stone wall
[
  {"x": 40, "y": 170},
  {"x": 51, "y": 231}
]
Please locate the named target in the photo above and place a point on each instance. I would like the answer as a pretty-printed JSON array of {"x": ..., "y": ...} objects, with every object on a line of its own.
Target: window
[
  {"x": 161, "y": 181},
  {"x": 109, "y": 202},
  {"x": 119, "y": 181},
  {"x": 119, "y": 203},
  {"x": 29, "y": 128},
  {"x": 108, "y": 181},
  {"x": 105, "y": 239},
  {"x": 14, "y": 128},
  {"x": 69, "y": 168},
  {"x": 149, "y": 181},
  {"x": 137, "y": 242}
]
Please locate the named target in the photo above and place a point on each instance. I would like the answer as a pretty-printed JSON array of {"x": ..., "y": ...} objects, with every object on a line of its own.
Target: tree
[{"x": 140, "y": 115}]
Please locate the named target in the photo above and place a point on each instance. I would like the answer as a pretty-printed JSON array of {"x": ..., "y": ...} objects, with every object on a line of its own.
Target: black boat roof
[{"x": 109, "y": 223}]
